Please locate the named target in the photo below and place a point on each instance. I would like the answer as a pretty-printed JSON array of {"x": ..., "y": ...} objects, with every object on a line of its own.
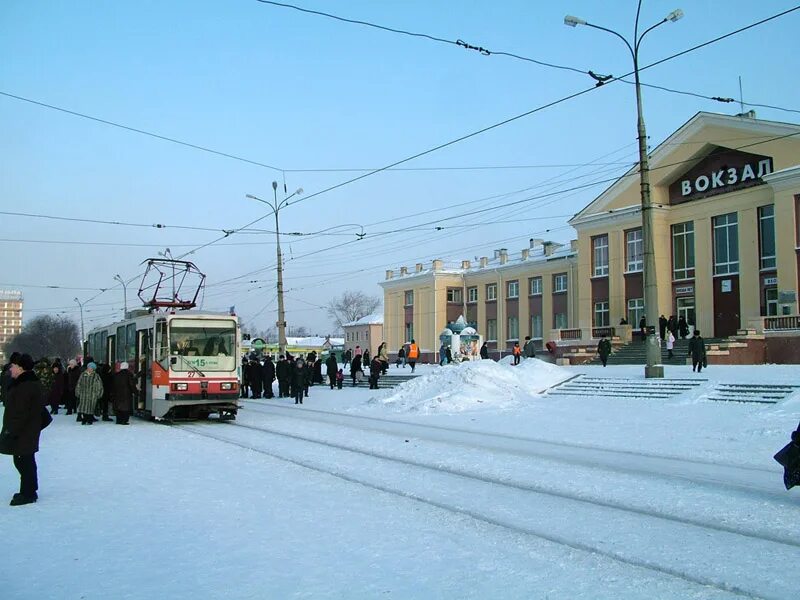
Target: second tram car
[{"x": 185, "y": 363}]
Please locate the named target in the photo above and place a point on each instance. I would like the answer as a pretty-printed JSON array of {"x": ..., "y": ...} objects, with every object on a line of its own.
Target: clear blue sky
[{"x": 304, "y": 92}]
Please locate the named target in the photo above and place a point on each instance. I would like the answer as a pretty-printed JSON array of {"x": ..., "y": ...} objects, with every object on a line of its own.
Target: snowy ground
[{"x": 464, "y": 483}]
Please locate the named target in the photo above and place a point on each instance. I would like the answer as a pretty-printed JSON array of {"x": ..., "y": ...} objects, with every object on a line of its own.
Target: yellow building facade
[
  {"x": 724, "y": 191},
  {"x": 726, "y": 210}
]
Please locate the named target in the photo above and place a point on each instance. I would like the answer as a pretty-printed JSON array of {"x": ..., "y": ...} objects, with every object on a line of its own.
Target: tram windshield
[{"x": 204, "y": 344}]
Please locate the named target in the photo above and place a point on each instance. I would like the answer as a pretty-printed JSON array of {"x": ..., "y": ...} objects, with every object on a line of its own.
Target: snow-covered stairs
[
  {"x": 618, "y": 387},
  {"x": 761, "y": 393}
]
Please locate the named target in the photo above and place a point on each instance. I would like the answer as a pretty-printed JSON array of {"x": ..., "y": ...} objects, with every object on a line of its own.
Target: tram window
[
  {"x": 112, "y": 348},
  {"x": 161, "y": 345},
  {"x": 100, "y": 350},
  {"x": 120, "y": 343},
  {"x": 130, "y": 343}
]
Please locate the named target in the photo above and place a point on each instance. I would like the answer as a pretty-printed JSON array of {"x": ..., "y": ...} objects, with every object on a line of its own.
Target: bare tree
[
  {"x": 46, "y": 335},
  {"x": 351, "y": 306}
]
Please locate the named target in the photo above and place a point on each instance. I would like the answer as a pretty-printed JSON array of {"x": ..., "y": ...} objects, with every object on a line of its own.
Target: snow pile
[{"x": 473, "y": 385}]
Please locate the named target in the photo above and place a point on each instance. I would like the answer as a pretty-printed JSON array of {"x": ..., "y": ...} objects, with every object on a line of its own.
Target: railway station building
[{"x": 725, "y": 196}]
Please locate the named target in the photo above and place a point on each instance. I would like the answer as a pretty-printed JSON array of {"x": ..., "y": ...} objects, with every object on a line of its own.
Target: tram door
[{"x": 143, "y": 360}]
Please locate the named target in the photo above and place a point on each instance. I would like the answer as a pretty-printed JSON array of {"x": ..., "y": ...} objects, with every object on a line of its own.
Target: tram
[{"x": 185, "y": 362}]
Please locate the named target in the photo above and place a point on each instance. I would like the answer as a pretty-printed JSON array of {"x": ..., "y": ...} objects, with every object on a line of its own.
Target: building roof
[
  {"x": 374, "y": 319},
  {"x": 313, "y": 341}
]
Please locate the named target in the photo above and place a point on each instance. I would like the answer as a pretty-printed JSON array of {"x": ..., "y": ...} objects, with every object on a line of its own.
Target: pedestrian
[
  {"x": 401, "y": 357},
  {"x": 57, "y": 388},
  {"x": 374, "y": 373},
  {"x": 697, "y": 350},
  {"x": 299, "y": 380},
  {"x": 604, "y": 349},
  {"x": 104, "y": 371},
  {"x": 356, "y": 372},
  {"x": 283, "y": 371},
  {"x": 643, "y": 328},
  {"x": 5, "y": 376},
  {"x": 623, "y": 321},
  {"x": 683, "y": 327},
  {"x": 365, "y": 358},
  {"x": 245, "y": 383},
  {"x": 517, "y": 352},
  {"x": 332, "y": 367},
  {"x": 449, "y": 354},
  {"x": 268, "y": 376},
  {"x": 317, "y": 371},
  {"x": 88, "y": 391},
  {"x": 442, "y": 355},
  {"x": 339, "y": 379},
  {"x": 308, "y": 373},
  {"x": 22, "y": 422},
  {"x": 73, "y": 374},
  {"x": 672, "y": 325},
  {"x": 123, "y": 391},
  {"x": 529, "y": 349},
  {"x": 413, "y": 354},
  {"x": 662, "y": 327},
  {"x": 383, "y": 356},
  {"x": 484, "y": 351},
  {"x": 347, "y": 357},
  {"x": 670, "y": 343}
]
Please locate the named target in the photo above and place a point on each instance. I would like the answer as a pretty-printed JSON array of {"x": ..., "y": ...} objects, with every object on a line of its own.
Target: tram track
[
  {"x": 357, "y": 466},
  {"x": 737, "y": 477}
]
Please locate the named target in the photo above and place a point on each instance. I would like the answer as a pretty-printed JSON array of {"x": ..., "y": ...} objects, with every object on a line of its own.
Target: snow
[{"x": 464, "y": 482}]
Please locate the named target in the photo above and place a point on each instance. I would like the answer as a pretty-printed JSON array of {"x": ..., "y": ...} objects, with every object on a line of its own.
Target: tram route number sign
[{"x": 258, "y": 344}]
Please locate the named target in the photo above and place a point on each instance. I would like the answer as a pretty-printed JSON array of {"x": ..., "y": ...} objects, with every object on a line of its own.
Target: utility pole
[
  {"x": 276, "y": 207},
  {"x": 124, "y": 294},
  {"x": 83, "y": 337},
  {"x": 654, "y": 368}
]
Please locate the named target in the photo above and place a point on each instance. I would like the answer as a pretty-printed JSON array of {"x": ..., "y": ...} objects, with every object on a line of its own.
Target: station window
[
  {"x": 683, "y": 250},
  {"x": 600, "y": 255},
  {"x": 771, "y": 302},
  {"x": 536, "y": 327},
  {"x": 633, "y": 251},
  {"x": 409, "y": 332},
  {"x": 472, "y": 294},
  {"x": 601, "y": 317},
  {"x": 635, "y": 311},
  {"x": 726, "y": 244},
  {"x": 513, "y": 328},
  {"x": 491, "y": 291},
  {"x": 512, "y": 289},
  {"x": 491, "y": 330},
  {"x": 535, "y": 286},
  {"x": 409, "y": 297},
  {"x": 766, "y": 236},
  {"x": 455, "y": 295},
  {"x": 560, "y": 282},
  {"x": 560, "y": 321}
]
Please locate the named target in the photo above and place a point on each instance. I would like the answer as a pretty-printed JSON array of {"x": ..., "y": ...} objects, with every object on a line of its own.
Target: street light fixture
[
  {"x": 81, "y": 306},
  {"x": 653, "y": 367},
  {"x": 124, "y": 294},
  {"x": 276, "y": 207}
]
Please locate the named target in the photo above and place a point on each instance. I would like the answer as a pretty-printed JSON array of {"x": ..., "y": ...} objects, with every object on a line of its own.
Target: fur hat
[
  {"x": 92, "y": 366},
  {"x": 24, "y": 361}
]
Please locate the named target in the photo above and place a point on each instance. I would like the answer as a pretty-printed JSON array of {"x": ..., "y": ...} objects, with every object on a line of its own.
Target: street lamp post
[
  {"x": 81, "y": 306},
  {"x": 653, "y": 367},
  {"x": 276, "y": 207},
  {"x": 124, "y": 294}
]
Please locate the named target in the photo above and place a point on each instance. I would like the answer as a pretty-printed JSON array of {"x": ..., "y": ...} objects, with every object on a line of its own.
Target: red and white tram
[{"x": 185, "y": 362}]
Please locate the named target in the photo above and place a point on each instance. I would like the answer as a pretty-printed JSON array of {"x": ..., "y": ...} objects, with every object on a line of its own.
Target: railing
[
  {"x": 598, "y": 332},
  {"x": 785, "y": 323},
  {"x": 570, "y": 334}
]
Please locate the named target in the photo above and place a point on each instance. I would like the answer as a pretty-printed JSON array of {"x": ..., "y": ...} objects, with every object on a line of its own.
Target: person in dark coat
[
  {"x": 5, "y": 376},
  {"x": 298, "y": 380},
  {"x": 245, "y": 383},
  {"x": 643, "y": 328},
  {"x": 268, "y": 376},
  {"x": 106, "y": 376},
  {"x": 672, "y": 325},
  {"x": 22, "y": 419},
  {"x": 317, "y": 371},
  {"x": 529, "y": 349},
  {"x": 683, "y": 327},
  {"x": 697, "y": 350},
  {"x": 401, "y": 357},
  {"x": 283, "y": 371},
  {"x": 604, "y": 349},
  {"x": 57, "y": 388},
  {"x": 374, "y": 373},
  {"x": 123, "y": 390},
  {"x": 355, "y": 369},
  {"x": 662, "y": 327},
  {"x": 73, "y": 374},
  {"x": 254, "y": 377},
  {"x": 347, "y": 357},
  {"x": 332, "y": 366},
  {"x": 308, "y": 372},
  {"x": 484, "y": 351}
]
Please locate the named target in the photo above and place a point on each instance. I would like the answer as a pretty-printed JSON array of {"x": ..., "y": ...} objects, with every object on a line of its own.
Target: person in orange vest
[
  {"x": 412, "y": 355},
  {"x": 517, "y": 352}
]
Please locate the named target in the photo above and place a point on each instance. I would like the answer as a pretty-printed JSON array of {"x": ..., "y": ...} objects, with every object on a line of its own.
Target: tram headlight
[
  {"x": 226, "y": 385},
  {"x": 180, "y": 387}
]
